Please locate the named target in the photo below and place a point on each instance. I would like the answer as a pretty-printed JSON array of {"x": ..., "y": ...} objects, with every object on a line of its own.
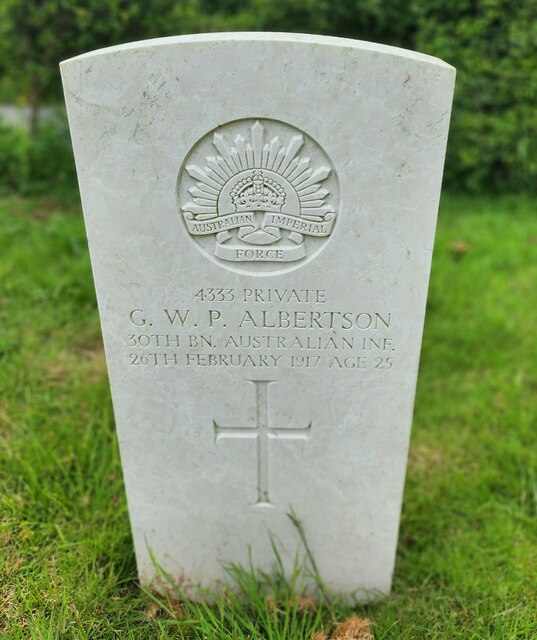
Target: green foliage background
[{"x": 492, "y": 43}]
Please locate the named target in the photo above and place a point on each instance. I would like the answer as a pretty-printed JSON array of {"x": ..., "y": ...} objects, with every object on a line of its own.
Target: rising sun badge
[{"x": 259, "y": 192}]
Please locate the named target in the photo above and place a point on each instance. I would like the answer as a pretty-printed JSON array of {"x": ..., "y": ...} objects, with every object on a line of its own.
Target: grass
[{"x": 467, "y": 556}]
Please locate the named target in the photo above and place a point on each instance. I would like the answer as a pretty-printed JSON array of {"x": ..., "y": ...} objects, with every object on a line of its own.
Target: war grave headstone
[{"x": 261, "y": 210}]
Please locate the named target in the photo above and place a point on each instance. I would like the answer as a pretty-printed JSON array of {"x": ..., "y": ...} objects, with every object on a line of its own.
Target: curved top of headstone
[{"x": 265, "y": 36}]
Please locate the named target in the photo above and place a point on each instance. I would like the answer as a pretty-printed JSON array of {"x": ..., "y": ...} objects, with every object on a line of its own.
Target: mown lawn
[{"x": 467, "y": 556}]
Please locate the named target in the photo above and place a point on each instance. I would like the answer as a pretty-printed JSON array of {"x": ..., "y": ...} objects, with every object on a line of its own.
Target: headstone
[{"x": 261, "y": 212}]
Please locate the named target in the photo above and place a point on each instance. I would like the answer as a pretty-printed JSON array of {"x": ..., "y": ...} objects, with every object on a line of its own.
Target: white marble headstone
[{"x": 261, "y": 212}]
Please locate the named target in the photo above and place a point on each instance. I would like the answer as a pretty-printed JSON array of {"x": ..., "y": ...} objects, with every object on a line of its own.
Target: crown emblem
[
  {"x": 257, "y": 192},
  {"x": 262, "y": 200}
]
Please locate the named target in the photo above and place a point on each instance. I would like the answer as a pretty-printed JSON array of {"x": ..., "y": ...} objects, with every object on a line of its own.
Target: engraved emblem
[{"x": 258, "y": 192}]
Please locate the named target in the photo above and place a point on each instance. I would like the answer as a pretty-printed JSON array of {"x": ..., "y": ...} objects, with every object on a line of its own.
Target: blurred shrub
[
  {"x": 493, "y": 44},
  {"x": 39, "y": 163},
  {"x": 13, "y": 158}
]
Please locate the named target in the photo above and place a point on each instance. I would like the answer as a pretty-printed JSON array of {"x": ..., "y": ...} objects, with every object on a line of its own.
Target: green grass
[{"x": 467, "y": 556}]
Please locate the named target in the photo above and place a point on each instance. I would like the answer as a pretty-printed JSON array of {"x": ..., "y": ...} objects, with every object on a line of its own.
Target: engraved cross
[{"x": 261, "y": 433}]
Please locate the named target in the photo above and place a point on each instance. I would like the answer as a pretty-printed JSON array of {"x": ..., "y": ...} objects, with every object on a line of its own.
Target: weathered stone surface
[{"x": 261, "y": 211}]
